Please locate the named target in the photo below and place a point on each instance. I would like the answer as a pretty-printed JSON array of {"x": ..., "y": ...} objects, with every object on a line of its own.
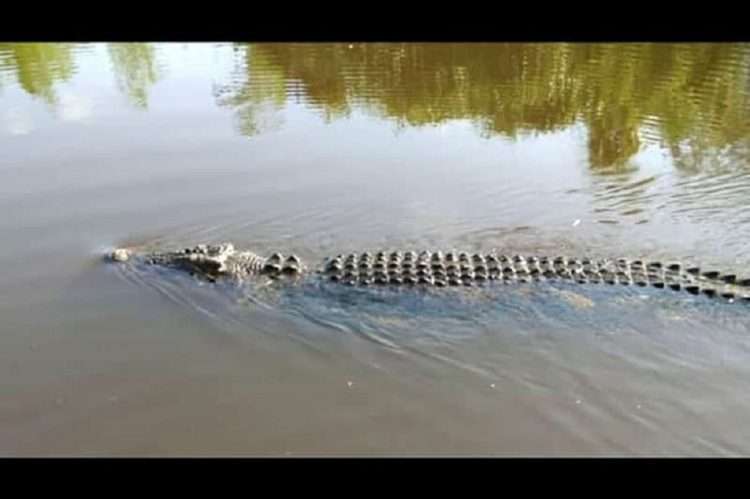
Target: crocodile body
[{"x": 438, "y": 269}]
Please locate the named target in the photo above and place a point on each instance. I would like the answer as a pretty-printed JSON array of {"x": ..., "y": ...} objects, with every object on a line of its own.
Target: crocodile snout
[{"x": 120, "y": 255}]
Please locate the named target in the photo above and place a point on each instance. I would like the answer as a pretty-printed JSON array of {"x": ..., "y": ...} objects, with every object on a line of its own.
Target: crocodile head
[
  {"x": 212, "y": 261},
  {"x": 203, "y": 259}
]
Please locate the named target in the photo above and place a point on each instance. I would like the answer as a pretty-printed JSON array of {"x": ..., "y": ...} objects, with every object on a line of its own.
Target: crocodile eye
[{"x": 213, "y": 249}]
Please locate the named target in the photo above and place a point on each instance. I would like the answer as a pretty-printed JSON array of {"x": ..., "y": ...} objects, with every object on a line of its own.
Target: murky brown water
[{"x": 623, "y": 149}]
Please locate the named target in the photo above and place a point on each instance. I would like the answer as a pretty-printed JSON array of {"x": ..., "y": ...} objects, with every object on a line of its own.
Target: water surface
[{"x": 597, "y": 149}]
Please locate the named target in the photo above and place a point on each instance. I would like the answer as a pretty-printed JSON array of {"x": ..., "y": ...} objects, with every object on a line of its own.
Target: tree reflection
[
  {"x": 259, "y": 99},
  {"x": 38, "y": 67},
  {"x": 135, "y": 69},
  {"x": 675, "y": 91}
]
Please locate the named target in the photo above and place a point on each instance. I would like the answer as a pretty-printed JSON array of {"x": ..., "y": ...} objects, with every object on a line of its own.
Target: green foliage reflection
[
  {"x": 621, "y": 92},
  {"x": 38, "y": 66},
  {"x": 135, "y": 69}
]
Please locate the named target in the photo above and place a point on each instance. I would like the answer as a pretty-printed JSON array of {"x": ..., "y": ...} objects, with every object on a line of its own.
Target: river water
[{"x": 639, "y": 150}]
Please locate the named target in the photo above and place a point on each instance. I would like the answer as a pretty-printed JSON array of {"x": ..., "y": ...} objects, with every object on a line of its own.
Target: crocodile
[{"x": 439, "y": 269}]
